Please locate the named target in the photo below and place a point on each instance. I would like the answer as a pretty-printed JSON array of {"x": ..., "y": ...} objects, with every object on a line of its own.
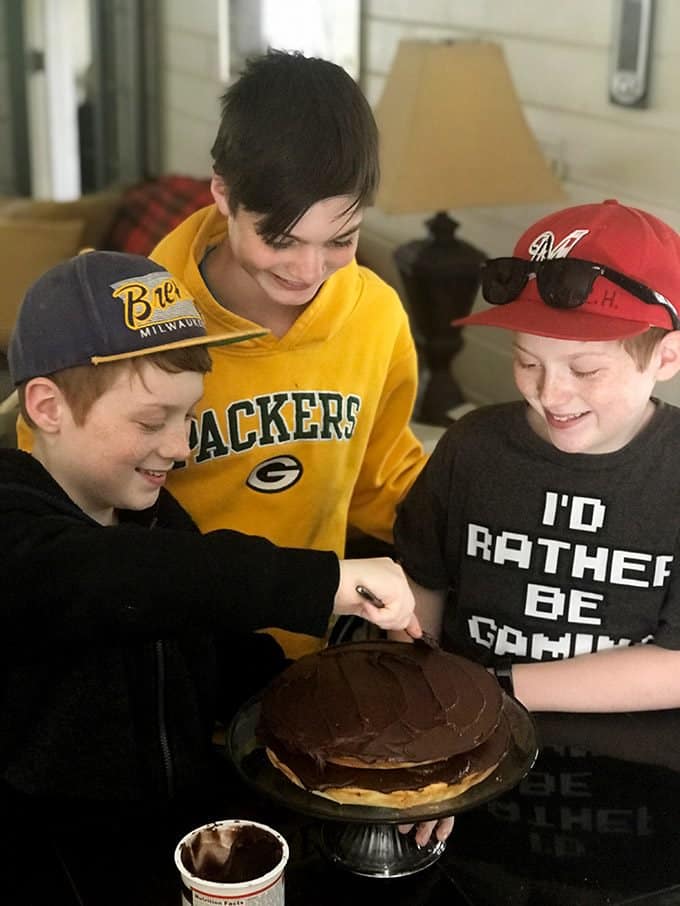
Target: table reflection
[{"x": 594, "y": 822}]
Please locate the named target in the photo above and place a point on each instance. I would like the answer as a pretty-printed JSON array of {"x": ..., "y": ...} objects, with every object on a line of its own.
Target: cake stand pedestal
[
  {"x": 365, "y": 839},
  {"x": 377, "y": 850}
]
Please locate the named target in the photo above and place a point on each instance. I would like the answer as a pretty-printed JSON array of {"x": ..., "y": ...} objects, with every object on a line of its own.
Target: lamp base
[
  {"x": 441, "y": 280},
  {"x": 440, "y": 392}
]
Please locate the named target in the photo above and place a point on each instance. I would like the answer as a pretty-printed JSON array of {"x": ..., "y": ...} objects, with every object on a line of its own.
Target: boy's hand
[
  {"x": 441, "y": 828},
  {"x": 387, "y": 581}
]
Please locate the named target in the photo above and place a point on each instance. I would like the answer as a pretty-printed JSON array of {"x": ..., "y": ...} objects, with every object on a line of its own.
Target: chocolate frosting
[
  {"x": 450, "y": 771},
  {"x": 380, "y": 702},
  {"x": 230, "y": 855}
]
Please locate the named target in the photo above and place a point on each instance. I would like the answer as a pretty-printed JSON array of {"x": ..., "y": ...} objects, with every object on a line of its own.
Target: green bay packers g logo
[{"x": 276, "y": 474}]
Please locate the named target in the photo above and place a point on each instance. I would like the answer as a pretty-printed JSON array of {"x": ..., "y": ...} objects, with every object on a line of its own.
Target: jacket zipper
[{"x": 162, "y": 726}]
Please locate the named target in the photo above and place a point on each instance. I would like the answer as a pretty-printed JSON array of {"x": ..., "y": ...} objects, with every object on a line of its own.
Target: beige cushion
[
  {"x": 96, "y": 211},
  {"x": 27, "y": 250}
]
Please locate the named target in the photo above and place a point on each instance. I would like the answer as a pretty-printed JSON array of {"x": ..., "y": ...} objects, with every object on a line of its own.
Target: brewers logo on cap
[{"x": 156, "y": 299}]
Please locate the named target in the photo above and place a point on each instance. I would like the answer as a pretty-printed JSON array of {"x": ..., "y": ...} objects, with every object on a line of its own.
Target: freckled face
[
  {"x": 584, "y": 397},
  {"x": 119, "y": 458},
  {"x": 292, "y": 268}
]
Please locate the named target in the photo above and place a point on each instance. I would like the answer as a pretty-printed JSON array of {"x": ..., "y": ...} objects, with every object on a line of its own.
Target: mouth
[
  {"x": 564, "y": 421},
  {"x": 155, "y": 476},
  {"x": 293, "y": 284}
]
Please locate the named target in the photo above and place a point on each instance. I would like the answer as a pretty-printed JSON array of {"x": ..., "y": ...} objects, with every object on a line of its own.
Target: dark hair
[
  {"x": 294, "y": 130},
  {"x": 82, "y": 385}
]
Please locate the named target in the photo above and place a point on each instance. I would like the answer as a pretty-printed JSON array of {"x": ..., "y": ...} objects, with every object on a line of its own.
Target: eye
[
  {"x": 280, "y": 244},
  {"x": 585, "y": 374},
  {"x": 524, "y": 365},
  {"x": 342, "y": 243},
  {"x": 150, "y": 428}
]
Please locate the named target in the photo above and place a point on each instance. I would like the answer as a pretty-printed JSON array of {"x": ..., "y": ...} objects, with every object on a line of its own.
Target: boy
[
  {"x": 303, "y": 431},
  {"x": 112, "y": 600},
  {"x": 542, "y": 535}
]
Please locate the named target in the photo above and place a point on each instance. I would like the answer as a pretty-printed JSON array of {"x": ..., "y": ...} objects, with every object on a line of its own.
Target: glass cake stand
[{"x": 365, "y": 839}]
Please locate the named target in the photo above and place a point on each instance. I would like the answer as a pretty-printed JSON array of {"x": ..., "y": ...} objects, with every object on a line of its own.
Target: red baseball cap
[{"x": 625, "y": 239}]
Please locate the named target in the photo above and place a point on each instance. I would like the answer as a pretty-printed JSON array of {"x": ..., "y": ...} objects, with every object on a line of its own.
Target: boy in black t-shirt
[{"x": 542, "y": 536}]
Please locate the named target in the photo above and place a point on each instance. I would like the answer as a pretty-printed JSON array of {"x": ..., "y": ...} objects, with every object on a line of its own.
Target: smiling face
[
  {"x": 120, "y": 456},
  {"x": 291, "y": 268},
  {"x": 587, "y": 397}
]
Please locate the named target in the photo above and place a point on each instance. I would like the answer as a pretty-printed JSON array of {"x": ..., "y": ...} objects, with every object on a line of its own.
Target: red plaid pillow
[{"x": 150, "y": 210}]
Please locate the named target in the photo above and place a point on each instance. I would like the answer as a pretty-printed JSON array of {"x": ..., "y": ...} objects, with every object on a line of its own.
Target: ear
[
  {"x": 44, "y": 404},
  {"x": 220, "y": 193},
  {"x": 667, "y": 354}
]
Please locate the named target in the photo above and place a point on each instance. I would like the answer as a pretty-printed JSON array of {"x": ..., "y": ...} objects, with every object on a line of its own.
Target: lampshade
[{"x": 453, "y": 133}]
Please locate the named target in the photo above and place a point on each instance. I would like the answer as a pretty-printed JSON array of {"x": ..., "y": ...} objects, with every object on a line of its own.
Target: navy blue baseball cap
[{"x": 102, "y": 307}]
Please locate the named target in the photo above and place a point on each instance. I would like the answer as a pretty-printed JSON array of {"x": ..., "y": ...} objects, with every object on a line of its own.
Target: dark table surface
[{"x": 594, "y": 822}]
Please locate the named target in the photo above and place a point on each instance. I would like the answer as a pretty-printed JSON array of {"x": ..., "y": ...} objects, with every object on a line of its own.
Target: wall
[{"x": 558, "y": 54}]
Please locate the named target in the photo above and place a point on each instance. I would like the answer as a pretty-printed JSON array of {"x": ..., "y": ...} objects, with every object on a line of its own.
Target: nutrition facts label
[{"x": 271, "y": 896}]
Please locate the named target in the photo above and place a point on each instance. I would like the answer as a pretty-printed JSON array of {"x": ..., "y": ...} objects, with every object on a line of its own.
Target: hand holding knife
[{"x": 367, "y": 594}]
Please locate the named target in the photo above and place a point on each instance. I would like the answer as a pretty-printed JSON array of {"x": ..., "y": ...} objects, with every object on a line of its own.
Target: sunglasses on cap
[{"x": 561, "y": 282}]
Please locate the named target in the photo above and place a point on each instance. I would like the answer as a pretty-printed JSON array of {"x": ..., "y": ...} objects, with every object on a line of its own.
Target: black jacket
[{"x": 108, "y": 634}]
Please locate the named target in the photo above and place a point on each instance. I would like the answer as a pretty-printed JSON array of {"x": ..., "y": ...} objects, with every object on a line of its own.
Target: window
[{"x": 319, "y": 28}]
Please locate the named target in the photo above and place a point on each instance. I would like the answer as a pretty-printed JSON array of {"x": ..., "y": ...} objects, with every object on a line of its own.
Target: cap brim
[
  {"x": 222, "y": 339},
  {"x": 528, "y": 315}
]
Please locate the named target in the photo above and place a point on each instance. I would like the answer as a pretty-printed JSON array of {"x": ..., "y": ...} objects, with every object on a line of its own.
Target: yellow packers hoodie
[{"x": 298, "y": 437}]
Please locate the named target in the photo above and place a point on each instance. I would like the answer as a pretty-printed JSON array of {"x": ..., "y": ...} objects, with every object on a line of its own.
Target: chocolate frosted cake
[{"x": 384, "y": 723}]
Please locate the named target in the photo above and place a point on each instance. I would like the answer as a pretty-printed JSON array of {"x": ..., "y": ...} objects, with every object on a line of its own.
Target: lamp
[{"x": 452, "y": 134}]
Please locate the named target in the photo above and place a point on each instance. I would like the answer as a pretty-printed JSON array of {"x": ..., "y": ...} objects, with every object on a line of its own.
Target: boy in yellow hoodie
[{"x": 304, "y": 431}]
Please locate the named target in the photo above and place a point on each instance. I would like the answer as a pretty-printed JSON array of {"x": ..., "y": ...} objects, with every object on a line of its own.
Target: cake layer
[{"x": 401, "y": 787}]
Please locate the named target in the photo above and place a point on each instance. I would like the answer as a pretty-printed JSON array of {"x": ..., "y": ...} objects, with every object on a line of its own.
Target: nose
[
  {"x": 175, "y": 444},
  {"x": 309, "y": 265},
  {"x": 552, "y": 389}
]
